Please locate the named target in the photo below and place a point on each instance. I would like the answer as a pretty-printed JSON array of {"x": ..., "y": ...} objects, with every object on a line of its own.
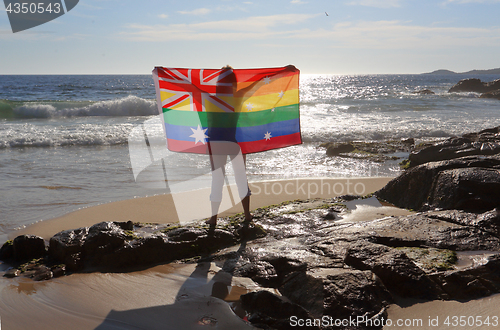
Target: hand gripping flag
[{"x": 256, "y": 108}]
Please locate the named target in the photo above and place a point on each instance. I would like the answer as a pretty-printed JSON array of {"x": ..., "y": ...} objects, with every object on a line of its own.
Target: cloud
[
  {"x": 289, "y": 28},
  {"x": 256, "y": 27},
  {"x": 163, "y": 16},
  {"x": 298, "y": 2},
  {"x": 376, "y": 3},
  {"x": 402, "y": 35},
  {"x": 199, "y": 11}
]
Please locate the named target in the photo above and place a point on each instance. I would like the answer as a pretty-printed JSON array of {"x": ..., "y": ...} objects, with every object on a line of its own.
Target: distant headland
[{"x": 490, "y": 71}]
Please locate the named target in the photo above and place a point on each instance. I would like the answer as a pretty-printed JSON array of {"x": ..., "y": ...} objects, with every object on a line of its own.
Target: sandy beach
[
  {"x": 172, "y": 208},
  {"x": 180, "y": 296}
]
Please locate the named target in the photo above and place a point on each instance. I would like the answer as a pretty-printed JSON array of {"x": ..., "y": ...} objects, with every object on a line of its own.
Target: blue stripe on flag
[{"x": 236, "y": 134}]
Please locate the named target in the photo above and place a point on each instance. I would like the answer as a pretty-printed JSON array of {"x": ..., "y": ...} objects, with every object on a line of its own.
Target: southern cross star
[
  {"x": 281, "y": 94},
  {"x": 267, "y": 136},
  {"x": 249, "y": 106},
  {"x": 267, "y": 80},
  {"x": 199, "y": 135}
]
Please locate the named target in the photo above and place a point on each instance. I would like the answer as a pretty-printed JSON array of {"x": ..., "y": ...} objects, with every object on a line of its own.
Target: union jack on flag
[{"x": 196, "y": 85}]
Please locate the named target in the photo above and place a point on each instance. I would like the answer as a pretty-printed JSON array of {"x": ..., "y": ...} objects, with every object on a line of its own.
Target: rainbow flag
[{"x": 256, "y": 108}]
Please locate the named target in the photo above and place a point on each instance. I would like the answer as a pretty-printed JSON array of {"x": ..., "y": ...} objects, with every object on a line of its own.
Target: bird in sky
[{"x": 326, "y": 13}]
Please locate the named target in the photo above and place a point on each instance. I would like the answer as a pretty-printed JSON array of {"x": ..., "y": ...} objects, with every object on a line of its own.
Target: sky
[{"x": 330, "y": 36}]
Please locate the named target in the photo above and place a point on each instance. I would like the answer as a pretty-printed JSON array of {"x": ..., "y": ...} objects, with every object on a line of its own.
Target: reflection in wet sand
[
  {"x": 174, "y": 296},
  {"x": 475, "y": 313}
]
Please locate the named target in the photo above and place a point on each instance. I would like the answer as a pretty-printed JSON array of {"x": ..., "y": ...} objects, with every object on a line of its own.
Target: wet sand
[
  {"x": 171, "y": 296},
  {"x": 437, "y": 314}
]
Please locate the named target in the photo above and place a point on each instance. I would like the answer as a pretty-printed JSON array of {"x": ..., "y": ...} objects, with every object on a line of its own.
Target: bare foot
[
  {"x": 212, "y": 221},
  {"x": 248, "y": 217}
]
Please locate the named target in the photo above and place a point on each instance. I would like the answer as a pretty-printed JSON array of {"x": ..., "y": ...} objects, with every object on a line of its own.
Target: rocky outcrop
[
  {"x": 118, "y": 246},
  {"x": 121, "y": 245},
  {"x": 467, "y": 183},
  {"x": 475, "y": 85},
  {"x": 424, "y": 92},
  {"x": 341, "y": 270},
  {"x": 491, "y": 95},
  {"x": 23, "y": 248},
  {"x": 314, "y": 268},
  {"x": 485, "y": 143},
  {"x": 374, "y": 151}
]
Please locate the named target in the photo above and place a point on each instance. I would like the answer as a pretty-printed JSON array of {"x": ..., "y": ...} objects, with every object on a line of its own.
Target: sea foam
[{"x": 128, "y": 106}]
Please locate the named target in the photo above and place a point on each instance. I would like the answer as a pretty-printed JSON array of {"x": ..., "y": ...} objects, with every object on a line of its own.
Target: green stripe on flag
[{"x": 224, "y": 119}]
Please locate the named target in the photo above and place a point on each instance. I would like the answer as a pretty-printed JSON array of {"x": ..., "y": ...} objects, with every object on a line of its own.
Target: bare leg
[
  {"x": 245, "y": 202},
  {"x": 213, "y": 219},
  {"x": 246, "y": 208}
]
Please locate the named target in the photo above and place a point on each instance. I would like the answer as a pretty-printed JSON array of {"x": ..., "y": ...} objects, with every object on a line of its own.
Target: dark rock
[
  {"x": 376, "y": 151},
  {"x": 398, "y": 273},
  {"x": 486, "y": 142},
  {"x": 471, "y": 283},
  {"x": 261, "y": 272},
  {"x": 491, "y": 95},
  {"x": 424, "y": 92},
  {"x": 59, "y": 270},
  {"x": 7, "y": 251},
  {"x": 305, "y": 290},
  {"x": 67, "y": 247},
  {"x": 335, "y": 150},
  {"x": 475, "y": 85},
  {"x": 43, "y": 273},
  {"x": 185, "y": 234},
  {"x": 355, "y": 293},
  {"x": 475, "y": 185},
  {"x": 488, "y": 221},
  {"x": 27, "y": 247},
  {"x": 11, "y": 273},
  {"x": 408, "y": 141},
  {"x": 114, "y": 246},
  {"x": 269, "y": 310},
  {"x": 473, "y": 188},
  {"x": 424, "y": 230}
]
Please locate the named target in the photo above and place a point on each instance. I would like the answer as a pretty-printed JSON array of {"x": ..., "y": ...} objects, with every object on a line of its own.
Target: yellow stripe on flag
[
  {"x": 260, "y": 87},
  {"x": 247, "y": 104}
]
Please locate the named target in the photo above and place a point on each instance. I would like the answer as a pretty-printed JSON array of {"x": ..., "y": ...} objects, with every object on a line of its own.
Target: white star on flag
[
  {"x": 249, "y": 106},
  {"x": 281, "y": 94},
  {"x": 267, "y": 80},
  {"x": 267, "y": 136},
  {"x": 199, "y": 134}
]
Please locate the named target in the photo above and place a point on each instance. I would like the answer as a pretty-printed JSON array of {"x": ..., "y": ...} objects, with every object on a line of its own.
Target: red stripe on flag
[
  {"x": 187, "y": 146},
  {"x": 246, "y": 147},
  {"x": 273, "y": 143},
  {"x": 179, "y": 100}
]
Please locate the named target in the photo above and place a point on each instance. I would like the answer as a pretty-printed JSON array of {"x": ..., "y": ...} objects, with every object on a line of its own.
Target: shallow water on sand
[
  {"x": 475, "y": 314},
  {"x": 172, "y": 296}
]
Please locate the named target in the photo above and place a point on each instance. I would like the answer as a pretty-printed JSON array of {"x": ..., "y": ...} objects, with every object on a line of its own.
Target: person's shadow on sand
[{"x": 199, "y": 304}]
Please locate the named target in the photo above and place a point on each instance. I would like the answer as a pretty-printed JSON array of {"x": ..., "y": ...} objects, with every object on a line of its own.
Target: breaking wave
[{"x": 128, "y": 106}]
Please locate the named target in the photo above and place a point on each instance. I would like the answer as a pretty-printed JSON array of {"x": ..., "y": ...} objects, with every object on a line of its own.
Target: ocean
[{"x": 64, "y": 139}]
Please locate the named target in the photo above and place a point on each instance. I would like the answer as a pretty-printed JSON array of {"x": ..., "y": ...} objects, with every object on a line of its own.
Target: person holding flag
[{"x": 229, "y": 112}]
